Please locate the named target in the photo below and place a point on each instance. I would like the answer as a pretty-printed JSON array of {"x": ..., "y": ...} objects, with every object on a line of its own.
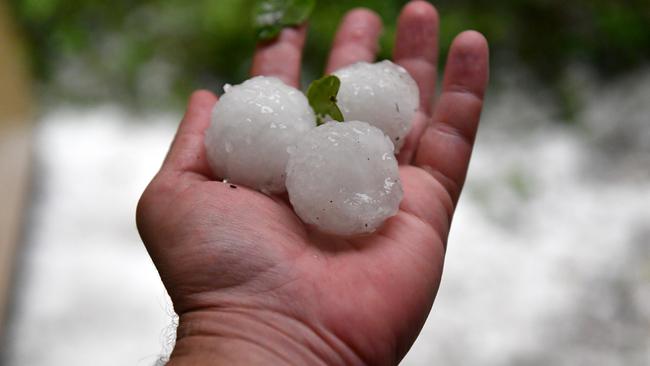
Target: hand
[{"x": 252, "y": 284}]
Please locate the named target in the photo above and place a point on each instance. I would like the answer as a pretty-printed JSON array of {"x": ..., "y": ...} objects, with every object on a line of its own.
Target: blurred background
[{"x": 549, "y": 254}]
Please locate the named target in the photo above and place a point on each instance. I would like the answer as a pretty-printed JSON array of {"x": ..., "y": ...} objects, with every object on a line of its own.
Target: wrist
[{"x": 254, "y": 337}]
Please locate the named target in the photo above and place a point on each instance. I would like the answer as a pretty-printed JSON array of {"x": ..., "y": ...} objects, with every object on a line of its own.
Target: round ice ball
[
  {"x": 343, "y": 178},
  {"x": 382, "y": 94},
  {"x": 252, "y": 126}
]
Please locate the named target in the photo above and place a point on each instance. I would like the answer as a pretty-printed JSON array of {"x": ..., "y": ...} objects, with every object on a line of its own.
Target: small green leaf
[
  {"x": 271, "y": 16},
  {"x": 322, "y": 98}
]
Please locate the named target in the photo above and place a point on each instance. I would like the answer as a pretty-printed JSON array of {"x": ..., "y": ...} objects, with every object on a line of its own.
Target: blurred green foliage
[
  {"x": 156, "y": 51},
  {"x": 271, "y": 16}
]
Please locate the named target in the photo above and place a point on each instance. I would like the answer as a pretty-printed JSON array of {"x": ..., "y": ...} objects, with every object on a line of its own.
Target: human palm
[{"x": 230, "y": 255}]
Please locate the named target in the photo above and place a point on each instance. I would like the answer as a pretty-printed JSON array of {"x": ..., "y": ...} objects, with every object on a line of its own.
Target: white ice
[
  {"x": 252, "y": 126},
  {"x": 382, "y": 94},
  {"x": 343, "y": 178}
]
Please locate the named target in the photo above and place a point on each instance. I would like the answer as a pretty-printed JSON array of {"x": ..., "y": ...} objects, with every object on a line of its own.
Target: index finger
[{"x": 281, "y": 57}]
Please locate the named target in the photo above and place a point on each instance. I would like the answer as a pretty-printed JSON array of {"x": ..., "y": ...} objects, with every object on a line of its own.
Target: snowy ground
[{"x": 548, "y": 262}]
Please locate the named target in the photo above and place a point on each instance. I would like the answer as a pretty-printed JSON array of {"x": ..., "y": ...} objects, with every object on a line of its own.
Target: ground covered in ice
[{"x": 548, "y": 260}]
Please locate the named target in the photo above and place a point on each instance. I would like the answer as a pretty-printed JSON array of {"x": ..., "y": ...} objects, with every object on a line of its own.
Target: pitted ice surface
[
  {"x": 252, "y": 126},
  {"x": 382, "y": 94},
  {"x": 343, "y": 178}
]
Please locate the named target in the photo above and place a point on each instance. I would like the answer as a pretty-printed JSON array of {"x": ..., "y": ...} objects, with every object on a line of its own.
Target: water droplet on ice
[
  {"x": 388, "y": 184},
  {"x": 362, "y": 197}
]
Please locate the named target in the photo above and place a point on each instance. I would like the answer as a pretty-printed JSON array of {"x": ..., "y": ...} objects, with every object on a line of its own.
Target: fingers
[
  {"x": 184, "y": 165},
  {"x": 187, "y": 153},
  {"x": 416, "y": 48},
  {"x": 356, "y": 39},
  {"x": 446, "y": 145},
  {"x": 282, "y": 56},
  {"x": 418, "y": 125}
]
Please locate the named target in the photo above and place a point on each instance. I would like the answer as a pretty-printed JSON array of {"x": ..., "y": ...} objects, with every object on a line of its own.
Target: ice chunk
[
  {"x": 253, "y": 125},
  {"x": 343, "y": 178},
  {"x": 382, "y": 94}
]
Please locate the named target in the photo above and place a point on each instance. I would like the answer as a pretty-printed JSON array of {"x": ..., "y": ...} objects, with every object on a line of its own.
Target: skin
[{"x": 253, "y": 285}]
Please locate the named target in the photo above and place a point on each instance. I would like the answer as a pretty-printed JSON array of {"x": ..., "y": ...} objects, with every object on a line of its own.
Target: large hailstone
[
  {"x": 343, "y": 178},
  {"x": 253, "y": 124},
  {"x": 382, "y": 94}
]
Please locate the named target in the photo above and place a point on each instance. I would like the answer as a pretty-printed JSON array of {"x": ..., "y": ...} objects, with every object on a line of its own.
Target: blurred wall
[{"x": 15, "y": 136}]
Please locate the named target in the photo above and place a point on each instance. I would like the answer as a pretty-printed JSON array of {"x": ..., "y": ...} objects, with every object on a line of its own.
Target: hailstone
[
  {"x": 382, "y": 94},
  {"x": 343, "y": 178},
  {"x": 252, "y": 126}
]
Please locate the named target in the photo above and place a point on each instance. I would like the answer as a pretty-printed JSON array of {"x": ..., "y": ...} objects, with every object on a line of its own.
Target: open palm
[{"x": 240, "y": 265}]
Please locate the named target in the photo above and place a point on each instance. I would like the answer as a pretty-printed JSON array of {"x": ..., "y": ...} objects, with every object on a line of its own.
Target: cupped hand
[{"x": 252, "y": 284}]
